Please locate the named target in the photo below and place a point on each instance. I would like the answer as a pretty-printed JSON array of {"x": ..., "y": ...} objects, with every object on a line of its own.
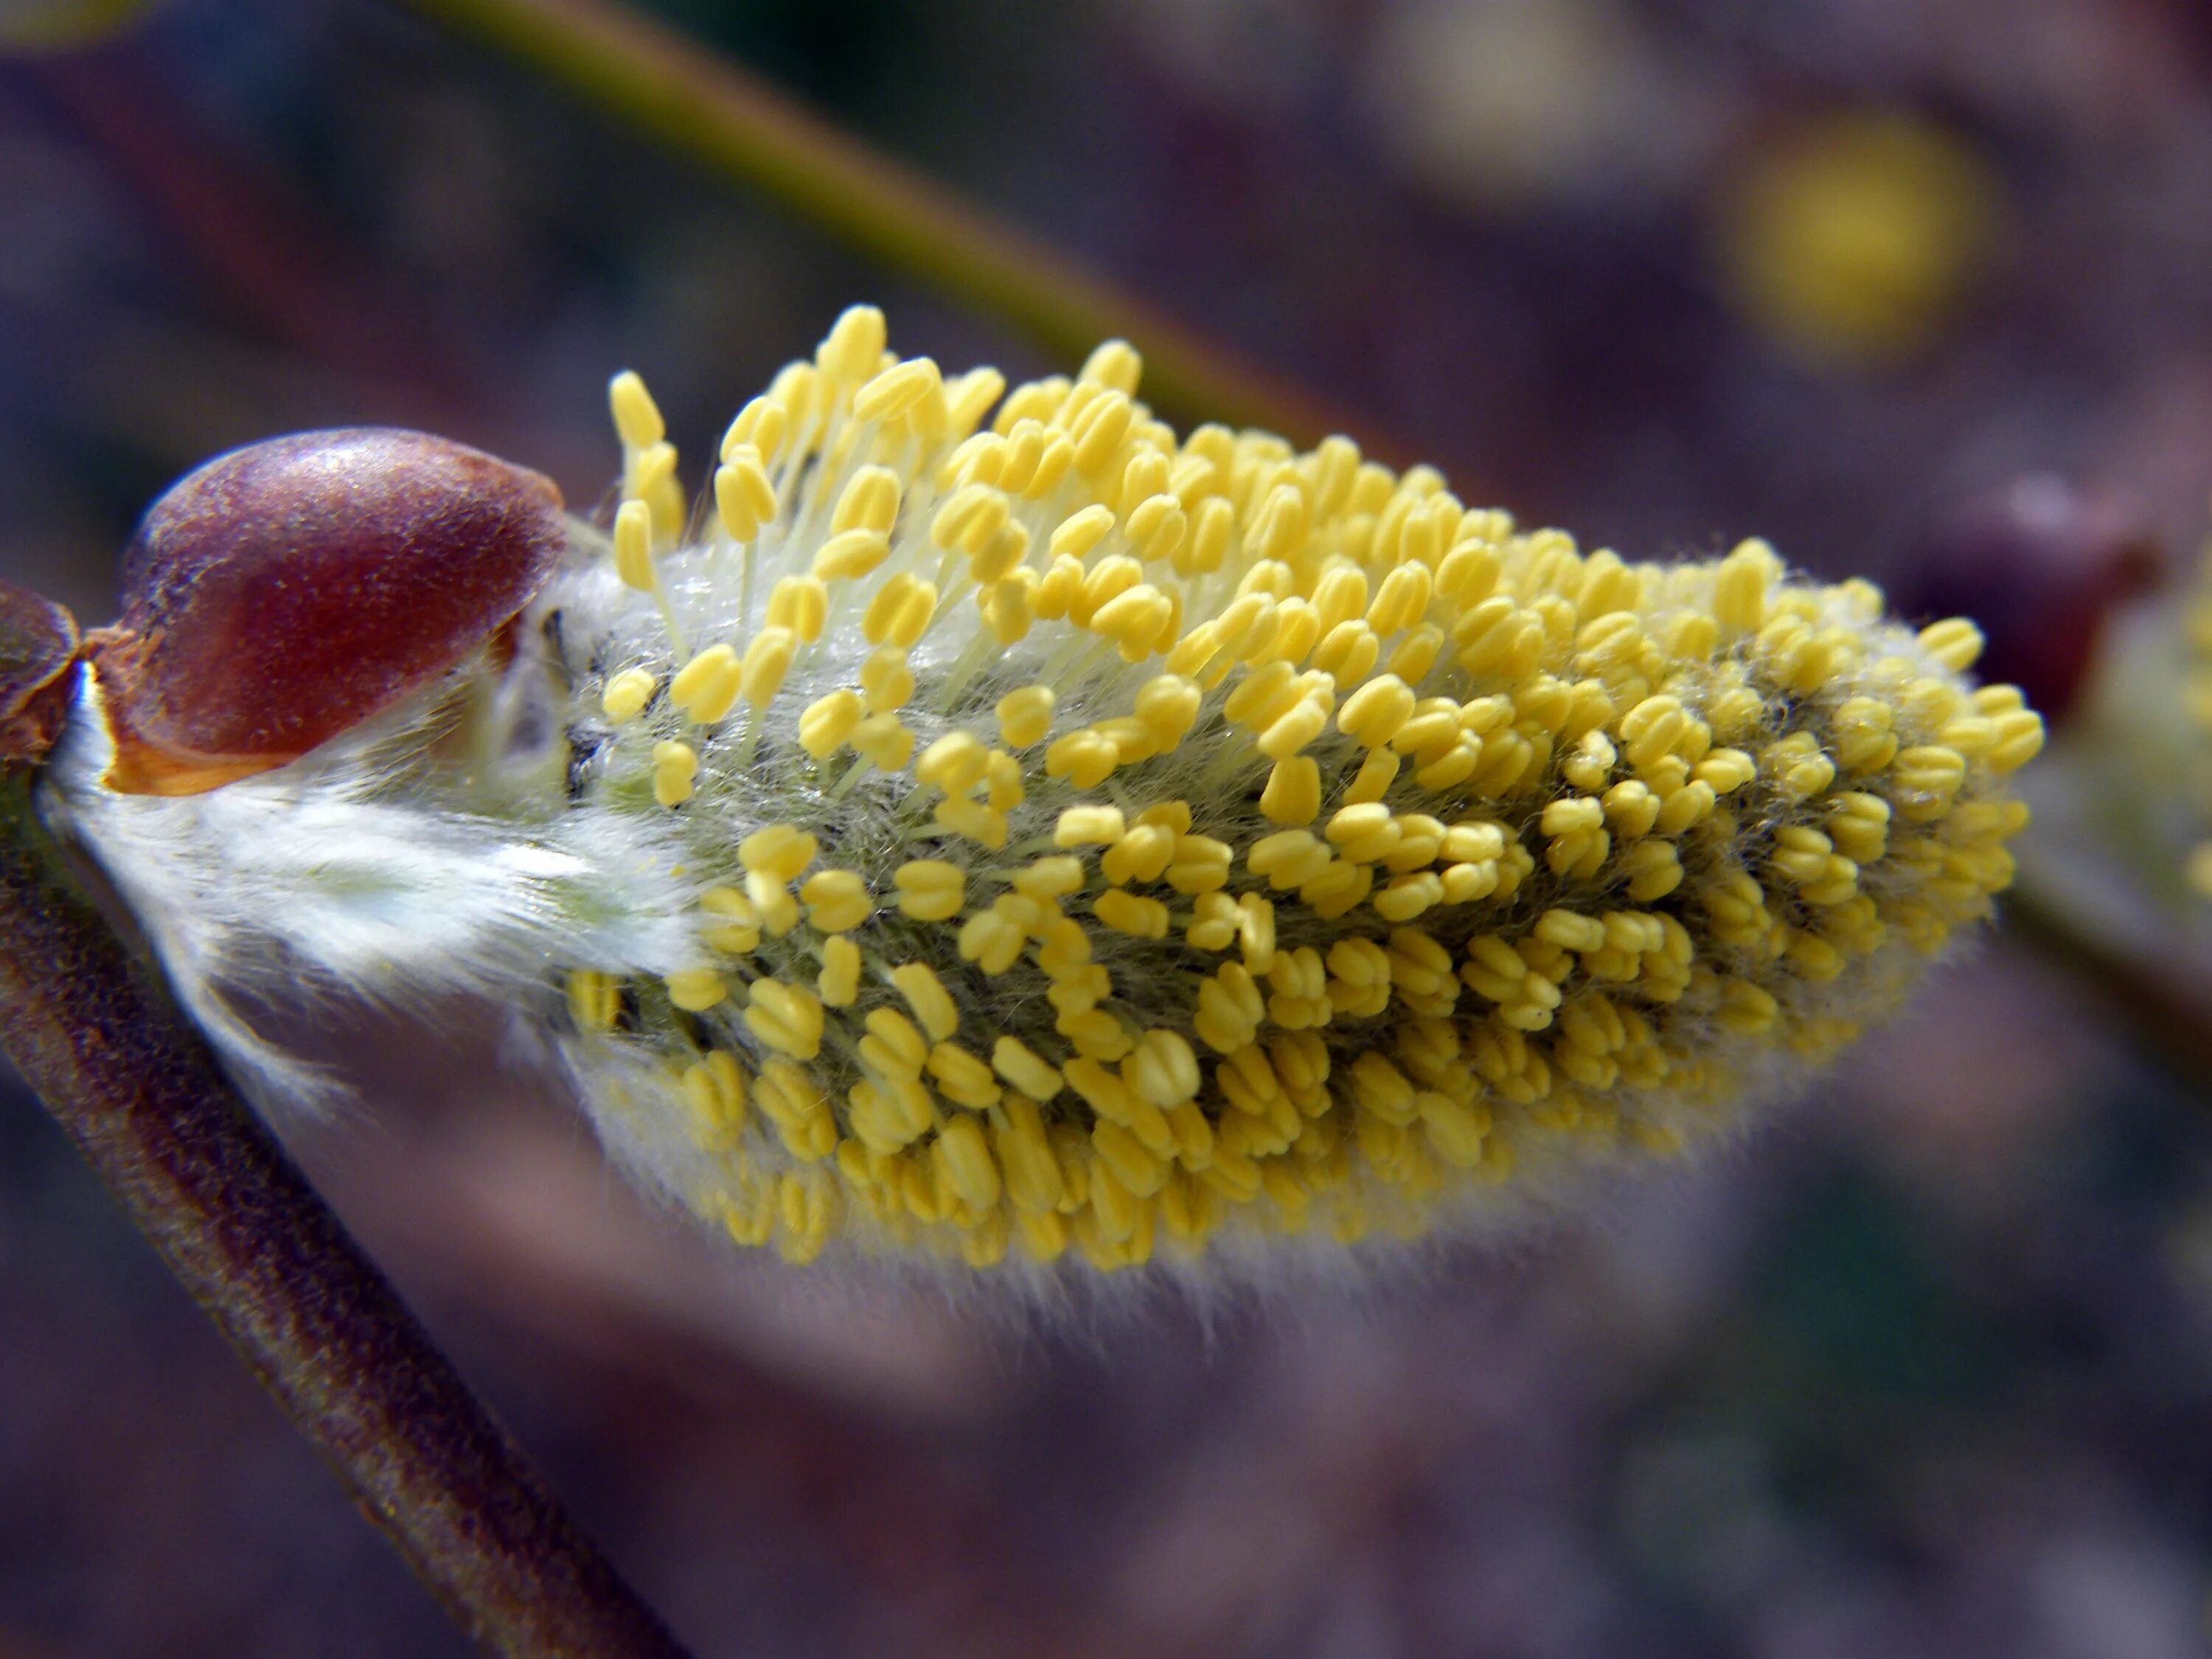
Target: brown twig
[
  {"x": 91, "y": 1032},
  {"x": 715, "y": 110}
]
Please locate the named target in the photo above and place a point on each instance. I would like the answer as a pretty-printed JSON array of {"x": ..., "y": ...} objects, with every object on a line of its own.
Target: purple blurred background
[{"x": 1925, "y": 1369}]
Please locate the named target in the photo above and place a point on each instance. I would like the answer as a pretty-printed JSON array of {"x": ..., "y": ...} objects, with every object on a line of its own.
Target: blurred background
[{"x": 1920, "y": 290}]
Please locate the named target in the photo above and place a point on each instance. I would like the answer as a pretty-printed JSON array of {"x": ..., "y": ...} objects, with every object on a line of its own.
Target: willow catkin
[{"x": 996, "y": 830}]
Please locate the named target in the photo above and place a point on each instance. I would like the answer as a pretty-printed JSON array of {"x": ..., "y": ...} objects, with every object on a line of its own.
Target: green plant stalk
[
  {"x": 718, "y": 114},
  {"x": 96, "y": 1035}
]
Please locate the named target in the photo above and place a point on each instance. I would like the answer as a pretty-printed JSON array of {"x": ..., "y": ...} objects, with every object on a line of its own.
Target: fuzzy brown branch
[{"x": 95, "y": 1034}]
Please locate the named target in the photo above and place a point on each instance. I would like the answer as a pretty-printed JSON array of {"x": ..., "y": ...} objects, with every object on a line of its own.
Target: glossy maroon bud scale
[
  {"x": 284, "y": 593},
  {"x": 38, "y": 654},
  {"x": 2040, "y": 564}
]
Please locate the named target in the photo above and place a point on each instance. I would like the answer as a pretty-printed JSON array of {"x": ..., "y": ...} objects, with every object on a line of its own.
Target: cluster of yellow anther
[{"x": 1281, "y": 845}]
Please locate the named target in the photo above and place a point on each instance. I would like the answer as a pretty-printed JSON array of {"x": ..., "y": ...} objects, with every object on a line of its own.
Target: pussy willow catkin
[{"x": 994, "y": 829}]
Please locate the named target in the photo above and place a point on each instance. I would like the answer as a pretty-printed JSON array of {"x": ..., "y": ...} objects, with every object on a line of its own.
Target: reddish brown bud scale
[
  {"x": 38, "y": 649},
  {"x": 287, "y": 592},
  {"x": 2039, "y": 564}
]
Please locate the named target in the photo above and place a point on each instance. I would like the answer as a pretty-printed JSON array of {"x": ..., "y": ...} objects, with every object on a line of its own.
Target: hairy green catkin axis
[{"x": 1004, "y": 832}]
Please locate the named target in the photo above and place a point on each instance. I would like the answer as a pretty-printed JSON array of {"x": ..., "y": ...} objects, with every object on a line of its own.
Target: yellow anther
[
  {"x": 838, "y": 984},
  {"x": 893, "y": 1047},
  {"x": 633, "y": 546},
  {"x": 886, "y": 681},
  {"x": 1001, "y": 557},
  {"x": 925, "y": 994},
  {"x": 737, "y": 928},
  {"x": 1468, "y": 572},
  {"x": 1003, "y": 782},
  {"x": 675, "y": 770},
  {"x": 1651, "y": 730},
  {"x": 883, "y": 740},
  {"x": 1050, "y": 878},
  {"x": 706, "y": 687},
  {"x": 637, "y": 417},
  {"x": 1435, "y": 729},
  {"x": 1097, "y": 431},
  {"x": 1083, "y": 826},
  {"x": 767, "y": 660},
  {"x": 594, "y": 1000},
  {"x": 1087, "y": 759},
  {"x": 828, "y": 722},
  {"x": 1126, "y": 913},
  {"x": 1295, "y": 728},
  {"x": 1409, "y": 896},
  {"x": 836, "y": 900},
  {"x": 1141, "y": 855},
  {"x": 887, "y": 608},
  {"x": 1278, "y": 527},
  {"x": 1570, "y": 932},
  {"x": 1373, "y": 779},
  {"x": 851, "y": 554},
  {"x": 1024, "y": 716},
  {"x": 964, "y": 1079},
  {"x": 2019, "y": 738},
  {"x": 1157, "y": 528},
  {"x": 800, "y": 605},
  {"x": 917, "y": 603},
  {"x": 955, "y": 762},
  {"x": 627, "y": 694},
  {"x": 973, "y": 821},
  {"x": 1416, "y": 654},
  {"x": 1402, "y": 599},
  {"x": 1565, "y": 817},
  {"x": 1132, "y": 615},
  {"x": 780, "y": 852},
  {"x": 1739, "y": 583},
  {"x": 744, "y": 498},
  {"x": 714, "y": 1093},
  {"x": 762, "y": 426},
  {"x": 853, "y": 350},
  {"x": 1288, "y": 859},
  {"x": 1458, "y": 1132},
  {"x": 1229, "y": 1010},
  {"x": 1079, "y": 532},
  {"x": 1292, "y": 795},
  {"x": 1008, "y": 606},
  {"x": 931, "y": 890},
  {"x": 1264, "y": 695},
  {"x": 1107, "y": 580},
  {"x": 897, "y": 390},
  {"x": 1726, "y": 770},
  {"x": 970, "y": 518},
  {"x": 650, "y": 478},
  {"x": 696, "y": 989},
  {"x": 1115, "y": 365},
  {"x": 1956, "y": 643},
  {"x": 969, "y": 397},
  {"x": 1019, "y": 1065},
  {"x": 787, "y": 1018},
  {"x": 968, "y": 1160},
  {"x": 1162, "y": 1069}
]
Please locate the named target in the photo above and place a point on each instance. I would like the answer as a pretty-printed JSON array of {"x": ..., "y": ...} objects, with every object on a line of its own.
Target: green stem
[
  {"x": 2164, "y": 1006},
  {"x": 93, "y": 1031},
  {"x": 712, "y": 110}
]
